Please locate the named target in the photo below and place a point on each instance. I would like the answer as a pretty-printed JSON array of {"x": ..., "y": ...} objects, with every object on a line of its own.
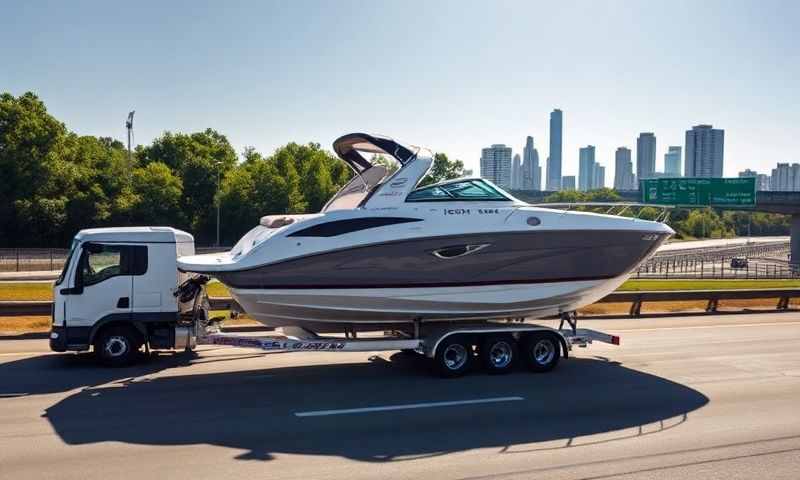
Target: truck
[{"x": 120, "y": 291}]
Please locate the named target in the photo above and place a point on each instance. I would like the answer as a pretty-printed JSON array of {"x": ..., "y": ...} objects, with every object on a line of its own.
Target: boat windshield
[{"x": 458, "y": 191}]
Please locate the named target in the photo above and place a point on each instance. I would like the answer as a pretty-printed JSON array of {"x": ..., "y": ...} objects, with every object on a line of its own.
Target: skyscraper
[
  {"x": 554, "y": 161},
  {"x": 705, "y": 149},
  {"x": 786, "y": 178},
  {"x": 645, "y": 155},
  {"x": 516, "y": 173},
  {"x": 672, "y": 162},
  {"x": 623, "y": 170},
  {"x": 568, "y": 182},
  {"x": 599, "y": 176},
  {"x": 496, "y": 164},
  {"x": 586, "y": 164},
  {"x": 531, "y": 171},
  {"x": 762, "y": 180}
]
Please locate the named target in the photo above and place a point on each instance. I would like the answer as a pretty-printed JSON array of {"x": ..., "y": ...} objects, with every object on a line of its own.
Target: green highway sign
[{"x": 699, "y": 191}]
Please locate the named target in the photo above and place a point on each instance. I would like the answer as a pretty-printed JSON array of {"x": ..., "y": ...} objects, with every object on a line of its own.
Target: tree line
[{"x": 54, "y": 182}]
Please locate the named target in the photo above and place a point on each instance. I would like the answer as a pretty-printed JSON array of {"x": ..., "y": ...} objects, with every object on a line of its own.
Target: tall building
[
  {"x": 516, "y": 173},
  {"x": 496, "y": 164},
  {"x": 554, "y": 160},
  {"x": 645, "y": 155},
  {"x": 568, "y": 182},
  {"x": 624, "y": 179},
  {"x": 705, "y": 151},
  {"x": 786, "y": 178},
  {"x": 599, "y": 176},
  {"x": 586, "y": 164},
  {"x": 762, "y": 181},
  {"x": 672, "y": 162},
  {"x": 531, "y": 171}
]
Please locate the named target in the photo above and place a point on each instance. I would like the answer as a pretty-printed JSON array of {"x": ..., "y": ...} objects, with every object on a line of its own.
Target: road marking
[
  {"x": 699, "y": 327},
  {"x": 408, "y": 406}
]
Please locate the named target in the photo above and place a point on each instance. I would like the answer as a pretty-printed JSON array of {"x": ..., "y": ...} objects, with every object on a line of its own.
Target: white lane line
[
  {"x": 700, "y": 327},
  {"x": 408, "y": 406}
]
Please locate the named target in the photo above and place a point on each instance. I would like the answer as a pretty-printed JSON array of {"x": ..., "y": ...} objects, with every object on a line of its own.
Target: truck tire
[
  {"x": 498, "y": 353},
  {"x": 117, "y": 346},
  {"x": 454, "y": 356},
  {"x": 541, "y": 351}
]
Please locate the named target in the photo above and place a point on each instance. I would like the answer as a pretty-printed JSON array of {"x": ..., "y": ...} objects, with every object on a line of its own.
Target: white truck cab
[{"x": 116, "y": 292}]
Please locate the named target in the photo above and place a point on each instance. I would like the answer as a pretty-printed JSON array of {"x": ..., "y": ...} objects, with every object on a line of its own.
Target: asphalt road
[{"x": 683, "y": 397}]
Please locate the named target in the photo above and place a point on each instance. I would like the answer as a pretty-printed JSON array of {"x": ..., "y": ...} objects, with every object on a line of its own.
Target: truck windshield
[{"x": 63, "y": 273}]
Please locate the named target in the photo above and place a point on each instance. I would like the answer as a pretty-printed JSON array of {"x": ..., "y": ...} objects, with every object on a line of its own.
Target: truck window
[{"x": 101, "y": 262}]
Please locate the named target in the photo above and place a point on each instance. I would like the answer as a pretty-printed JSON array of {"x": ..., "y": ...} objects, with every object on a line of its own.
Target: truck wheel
[
  {"x": 541, "y": 352},
  {"x": 117, "y": 346},
  {"x": 498, "y": 353},
  {"x": 454, "y": 356}
]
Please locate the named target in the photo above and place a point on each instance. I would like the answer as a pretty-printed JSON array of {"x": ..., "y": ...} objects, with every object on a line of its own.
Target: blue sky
[{"x": 453, "y": 76}]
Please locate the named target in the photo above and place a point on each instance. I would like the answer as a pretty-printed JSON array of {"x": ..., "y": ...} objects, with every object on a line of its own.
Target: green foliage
[
  {"x": 157, "y": 198},
  {"x": 443, "y": 169}
]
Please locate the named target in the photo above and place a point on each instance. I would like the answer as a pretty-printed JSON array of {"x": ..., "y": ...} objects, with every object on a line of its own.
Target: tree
[
  {"x": 199, "y": 159},
  {"x": 443, "y": 169},
  {"x": 28, "y": 137},
  {"x": 157, "y": 196}
]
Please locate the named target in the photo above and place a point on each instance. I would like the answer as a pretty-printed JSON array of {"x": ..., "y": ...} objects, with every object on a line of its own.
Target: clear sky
[{"x": 453, "y": 76}]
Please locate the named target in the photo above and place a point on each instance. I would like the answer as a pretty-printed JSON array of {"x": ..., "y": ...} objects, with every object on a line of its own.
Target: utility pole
[
  {"x": 129, "y": 127},
  {"x": 219, "y": 168}
]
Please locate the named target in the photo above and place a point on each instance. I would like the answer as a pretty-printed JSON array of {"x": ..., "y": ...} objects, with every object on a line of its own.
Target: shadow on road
[{"x": 254, "y": 410}]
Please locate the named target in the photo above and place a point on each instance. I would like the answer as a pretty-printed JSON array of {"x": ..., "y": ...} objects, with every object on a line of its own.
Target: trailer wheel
[
  {"x": 454, "y": 356},
  {"x": 541, "y": 352},
  {"x": 117, "y": 346},
  {"x": 498, "y": 353}
]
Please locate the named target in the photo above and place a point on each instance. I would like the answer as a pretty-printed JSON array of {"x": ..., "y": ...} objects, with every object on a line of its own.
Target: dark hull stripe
[{"x": 430, "y": 285}]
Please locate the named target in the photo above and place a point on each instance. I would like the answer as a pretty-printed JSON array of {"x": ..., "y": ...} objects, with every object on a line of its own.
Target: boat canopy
[{"x": 350, "y": 146}]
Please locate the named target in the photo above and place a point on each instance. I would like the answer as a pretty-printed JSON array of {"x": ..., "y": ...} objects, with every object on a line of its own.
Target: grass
[{"x": 640, "y": 285}]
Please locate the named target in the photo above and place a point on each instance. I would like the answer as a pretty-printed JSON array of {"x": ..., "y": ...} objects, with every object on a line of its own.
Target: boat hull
[
  {"x": 325, "y": 310},
  {"x": 506, "y": 275}
]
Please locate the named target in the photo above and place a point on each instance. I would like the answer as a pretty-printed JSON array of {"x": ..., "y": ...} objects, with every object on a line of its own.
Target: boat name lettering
[
  {"x": 488, "y": 211},
  {"x": 398, "y": 183},
  {"x": 389, "y": 194},
  {"x": 457, "y": 211}
]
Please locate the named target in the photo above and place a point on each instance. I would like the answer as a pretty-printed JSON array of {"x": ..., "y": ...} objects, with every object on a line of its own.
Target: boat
[{"x": 385, "y": 251}]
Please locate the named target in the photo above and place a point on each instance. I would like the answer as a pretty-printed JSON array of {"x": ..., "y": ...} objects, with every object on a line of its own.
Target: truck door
[{"x": 102, "y": 286}]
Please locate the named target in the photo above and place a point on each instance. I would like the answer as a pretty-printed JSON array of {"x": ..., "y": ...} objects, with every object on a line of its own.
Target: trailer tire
[
  {"x": 454, "y": 356},
  {"x": 498, "y": 353},
  {"x": 541, "y": 351},
  {"x": 118, "y": 345}
]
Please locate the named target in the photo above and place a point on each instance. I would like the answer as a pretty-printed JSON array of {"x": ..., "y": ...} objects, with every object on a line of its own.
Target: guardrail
[{"x": 636, "y": 299}]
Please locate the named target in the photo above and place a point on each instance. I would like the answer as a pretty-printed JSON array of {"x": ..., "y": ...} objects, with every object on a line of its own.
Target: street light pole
[{"x": 218, "y": 202}]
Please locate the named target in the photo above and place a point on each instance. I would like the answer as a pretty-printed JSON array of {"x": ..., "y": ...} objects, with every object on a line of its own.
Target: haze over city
[{"x": 453, "y": 76}]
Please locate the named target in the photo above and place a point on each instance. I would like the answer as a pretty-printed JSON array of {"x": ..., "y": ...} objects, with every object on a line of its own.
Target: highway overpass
[{"x": 786, "y": 203}]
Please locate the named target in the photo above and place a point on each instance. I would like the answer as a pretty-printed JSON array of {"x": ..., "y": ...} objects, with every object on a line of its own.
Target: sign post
[{"x": 700, "y": 192}]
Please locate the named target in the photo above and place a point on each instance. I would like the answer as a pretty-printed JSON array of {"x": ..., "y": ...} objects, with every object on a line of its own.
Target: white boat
[{"x": 384, "y": 252}]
